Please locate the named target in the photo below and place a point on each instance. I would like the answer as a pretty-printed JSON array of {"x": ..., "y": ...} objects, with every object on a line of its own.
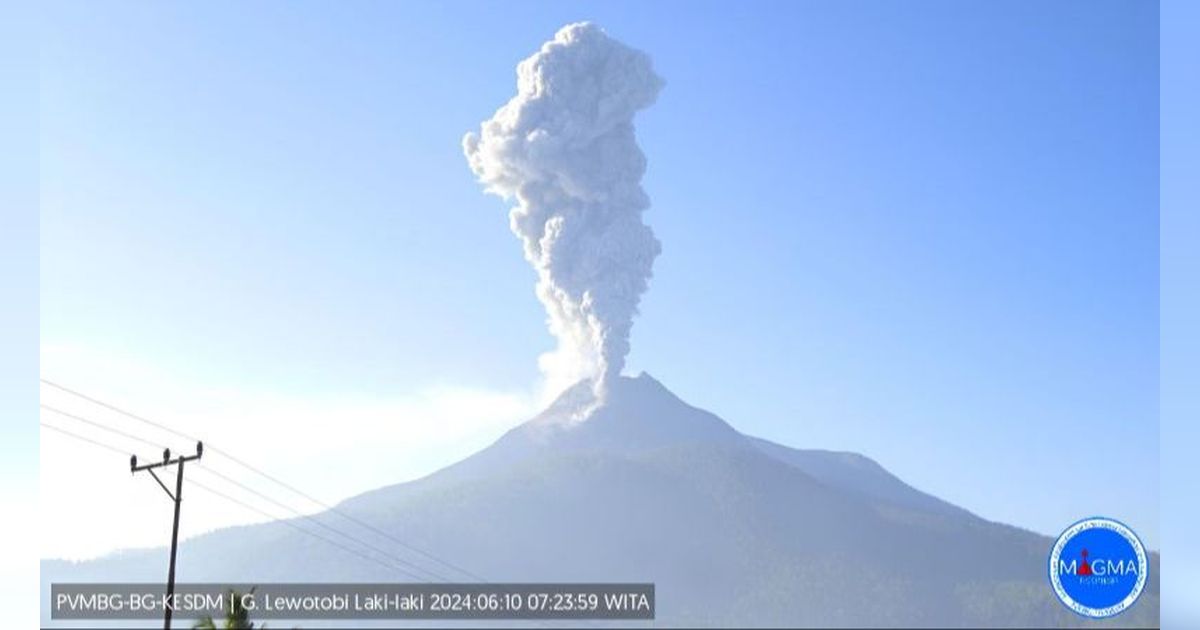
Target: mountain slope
[
  {"x": 733, "y": 530},
  {"x": 855, "y": 473}
]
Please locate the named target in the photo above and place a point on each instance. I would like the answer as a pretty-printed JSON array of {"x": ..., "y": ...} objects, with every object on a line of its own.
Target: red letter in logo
[{"x": 1085, "y": 568}]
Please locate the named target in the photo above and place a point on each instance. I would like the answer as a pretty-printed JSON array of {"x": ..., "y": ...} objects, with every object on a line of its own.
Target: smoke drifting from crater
[{"x": 564, "y": 149}]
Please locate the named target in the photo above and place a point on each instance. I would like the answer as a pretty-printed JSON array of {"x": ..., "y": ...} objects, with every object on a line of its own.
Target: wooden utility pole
[{"x": 177, "y": 497}]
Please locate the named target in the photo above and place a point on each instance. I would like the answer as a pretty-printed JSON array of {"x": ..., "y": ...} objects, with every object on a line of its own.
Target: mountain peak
[
  {"x": 579, "y": 402},
  {"x": 635, "y": 413}
]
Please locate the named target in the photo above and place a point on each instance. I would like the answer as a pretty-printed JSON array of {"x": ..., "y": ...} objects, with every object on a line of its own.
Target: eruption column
[{"x": 564, "y": 149}]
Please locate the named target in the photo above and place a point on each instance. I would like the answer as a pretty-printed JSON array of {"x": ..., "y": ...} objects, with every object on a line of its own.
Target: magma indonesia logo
[{"x": 1098, "y": 567}]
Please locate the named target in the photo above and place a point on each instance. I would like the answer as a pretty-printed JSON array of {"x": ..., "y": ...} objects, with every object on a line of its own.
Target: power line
[
  {"x": 272, "y": 517},
  {"x": 228, "y": 479},
  {"x": 316, "y": 521},
  {"x": 353, "y": 519},
  {"x": 85, "y": 439},
  {"x": 102, "y": 427},
  {"x": 119, "y": 410},
  {"x": 276, "y": 519},
  {"x": 272, "y": 478},
  {"x": 205, "y": 487}
]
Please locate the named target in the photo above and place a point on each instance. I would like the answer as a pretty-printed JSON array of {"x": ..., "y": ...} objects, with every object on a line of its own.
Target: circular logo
[{"x": 1098, "y": 567}]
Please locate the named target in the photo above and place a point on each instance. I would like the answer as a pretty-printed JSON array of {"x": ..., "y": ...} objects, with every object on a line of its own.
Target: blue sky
[{"x": 927, "y": 232}]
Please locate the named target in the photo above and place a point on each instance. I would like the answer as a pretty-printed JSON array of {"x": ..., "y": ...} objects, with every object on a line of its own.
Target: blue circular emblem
[{"x": 1098, "y": 567}]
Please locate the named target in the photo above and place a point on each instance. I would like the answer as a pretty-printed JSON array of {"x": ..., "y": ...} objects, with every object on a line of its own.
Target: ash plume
[{"x": 564, "y": 149}]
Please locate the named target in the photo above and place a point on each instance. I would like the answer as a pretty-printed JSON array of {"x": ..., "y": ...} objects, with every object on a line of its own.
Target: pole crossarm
[{"x": 166, "y": 460}]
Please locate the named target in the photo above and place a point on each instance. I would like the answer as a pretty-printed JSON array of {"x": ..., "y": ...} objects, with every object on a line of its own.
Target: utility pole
[{"x": 177, "y": 497}]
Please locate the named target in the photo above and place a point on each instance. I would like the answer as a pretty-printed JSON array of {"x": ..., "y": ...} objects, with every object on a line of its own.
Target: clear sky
[{"x": 926, "y": 232}]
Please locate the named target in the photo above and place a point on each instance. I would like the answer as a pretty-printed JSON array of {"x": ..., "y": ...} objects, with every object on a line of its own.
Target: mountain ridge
[
  {"x": 733, "y": 529},
  {"x": 669, "y": 420}
]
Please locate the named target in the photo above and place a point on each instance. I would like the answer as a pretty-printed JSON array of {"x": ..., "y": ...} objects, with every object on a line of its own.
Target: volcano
[{"x": 733, "y": 530}]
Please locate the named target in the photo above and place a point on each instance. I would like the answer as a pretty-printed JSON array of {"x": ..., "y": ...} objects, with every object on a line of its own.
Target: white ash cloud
[{"x": 564, "y": 149}]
